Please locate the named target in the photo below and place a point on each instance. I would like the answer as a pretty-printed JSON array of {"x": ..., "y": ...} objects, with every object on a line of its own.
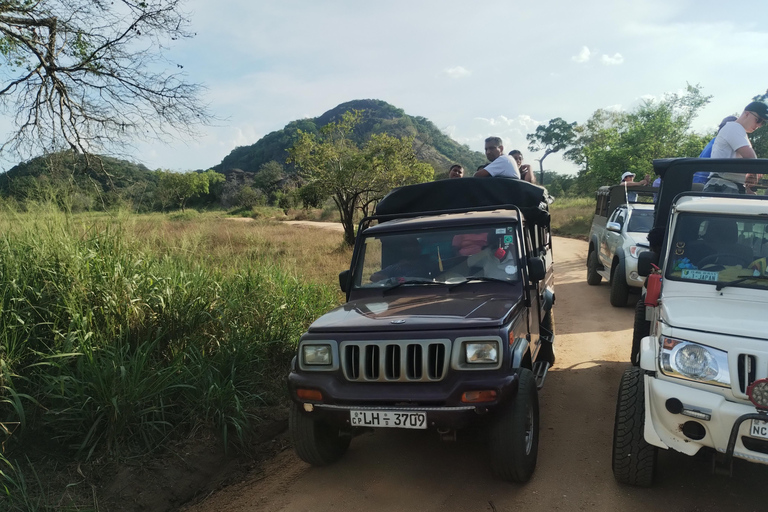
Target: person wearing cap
[
  {"x": 732, "y": 142},
  {"x": 501, "y": 165},
  {"x": 628, "y": 180}
]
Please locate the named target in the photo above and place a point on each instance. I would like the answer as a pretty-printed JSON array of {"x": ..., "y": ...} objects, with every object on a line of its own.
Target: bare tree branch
[{"x": 90, "y": 75}]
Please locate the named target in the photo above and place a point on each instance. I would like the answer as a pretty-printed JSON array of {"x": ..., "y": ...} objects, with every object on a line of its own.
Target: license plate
[
  {"x": 391, "y": 419},
  {"x": 759, "y": 429}
]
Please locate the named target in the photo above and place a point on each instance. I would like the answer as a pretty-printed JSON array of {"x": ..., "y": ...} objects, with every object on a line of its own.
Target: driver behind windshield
[{"x": 410, "y": 263}]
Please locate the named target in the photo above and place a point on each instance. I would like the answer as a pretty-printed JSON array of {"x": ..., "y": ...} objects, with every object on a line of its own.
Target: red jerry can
[{"x": 653, "y": 288}]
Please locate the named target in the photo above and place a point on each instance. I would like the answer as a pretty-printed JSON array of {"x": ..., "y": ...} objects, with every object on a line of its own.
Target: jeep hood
[
  {"x": 732, "y": 318},
  {"x": 459, "y": 311}
]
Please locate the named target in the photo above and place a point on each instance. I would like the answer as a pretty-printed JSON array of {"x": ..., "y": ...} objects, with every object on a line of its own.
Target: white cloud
[
  {"x": 612, "y": 61},
  {"x": 457, "y": 72},
  {"x": 583, "y": 55}
]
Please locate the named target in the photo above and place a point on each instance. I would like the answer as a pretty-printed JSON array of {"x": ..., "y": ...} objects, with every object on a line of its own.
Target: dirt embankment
[{"x": 406, "y": 470}]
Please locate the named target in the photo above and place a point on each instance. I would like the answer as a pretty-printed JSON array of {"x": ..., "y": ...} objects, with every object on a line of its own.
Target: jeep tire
[
  {"x": 634, "y": 460},
  {"x": 593, "y": 278},
  {"x": 641, "y": 329},
  {"x": 315, "y": 441},
  {"x": 619, "y": 287},
  {"x": 513, "y": 439}
]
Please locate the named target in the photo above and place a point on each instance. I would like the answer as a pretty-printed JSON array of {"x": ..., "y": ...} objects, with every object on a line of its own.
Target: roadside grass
[
  {"x": 121, "y": 333},
  {"x": 572, "y": 216}
]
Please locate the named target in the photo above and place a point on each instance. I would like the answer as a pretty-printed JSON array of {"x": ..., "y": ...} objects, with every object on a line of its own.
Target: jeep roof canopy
[
  {"x": 611, "y": 197},
  {"x": 677, "y": 177},
  {"x": 465, "y": 194}
]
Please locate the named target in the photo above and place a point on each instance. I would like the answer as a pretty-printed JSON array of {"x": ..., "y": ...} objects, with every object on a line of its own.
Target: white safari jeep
[{"x": 702, "y": 380}]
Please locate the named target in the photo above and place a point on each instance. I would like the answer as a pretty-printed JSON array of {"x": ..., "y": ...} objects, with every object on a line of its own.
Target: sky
[{"x": 475, "y": 69}]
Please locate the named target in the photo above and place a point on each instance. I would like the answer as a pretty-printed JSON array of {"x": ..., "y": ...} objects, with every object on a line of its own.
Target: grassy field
[
  {"x": 122, "y": 333},
  {"x": 572, "y": 216}
]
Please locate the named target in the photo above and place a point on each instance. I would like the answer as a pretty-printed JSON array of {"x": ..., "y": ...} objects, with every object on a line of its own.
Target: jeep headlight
[
  {"x": 691, "y": 361},
  {"x": 316, "y": 355},
  {"x": 635, "y": 250},
  {"x": 482, "y": 352}
]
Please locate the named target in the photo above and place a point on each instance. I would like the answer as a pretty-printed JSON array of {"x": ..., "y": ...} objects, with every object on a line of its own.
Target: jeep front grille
[
  {"x": 747, "y": 371},
  {"x": 395, "y": 361}
]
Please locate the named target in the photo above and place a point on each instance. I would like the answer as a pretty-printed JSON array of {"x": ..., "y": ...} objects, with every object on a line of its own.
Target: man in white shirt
[
  {"x": 501, "y": 165},
  {"x": 732, "y": 142}
]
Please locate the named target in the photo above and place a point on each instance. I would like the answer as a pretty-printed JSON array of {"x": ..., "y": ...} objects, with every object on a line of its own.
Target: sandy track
[{"x": 403, "y": 471}]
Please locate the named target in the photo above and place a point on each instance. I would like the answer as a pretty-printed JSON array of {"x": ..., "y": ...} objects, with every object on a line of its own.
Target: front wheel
[
  {"x": 316, "y": 441},
  {"x": 634, "y": 460},
  {"x": 619, "y": 287},
  {"x": 513, "y": 439}
]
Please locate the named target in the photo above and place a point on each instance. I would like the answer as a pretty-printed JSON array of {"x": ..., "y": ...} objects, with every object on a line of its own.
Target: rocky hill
[{"x": 431, "y": 145}]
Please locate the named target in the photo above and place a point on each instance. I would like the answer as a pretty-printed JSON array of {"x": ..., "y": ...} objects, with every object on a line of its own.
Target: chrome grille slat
[
  {"x": 395, "y": 361},
  {"x": 747, "y": 371}
]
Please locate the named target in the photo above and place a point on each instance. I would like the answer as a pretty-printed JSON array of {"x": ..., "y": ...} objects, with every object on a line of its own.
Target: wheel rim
[{"x": 529, "y": 432}]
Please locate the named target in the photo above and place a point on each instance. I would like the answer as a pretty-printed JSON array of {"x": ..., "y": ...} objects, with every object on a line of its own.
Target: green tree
[
  {"x": 269, "y": 178},
  {"x": 610, "y": 143},
  {"x": 759, "y": 137},
  {"x": 178, "y": 188},
  {"x": 87, "y": 74},
  {"x": 554, "y": 137},
  {"x": 355, "y": 176}
]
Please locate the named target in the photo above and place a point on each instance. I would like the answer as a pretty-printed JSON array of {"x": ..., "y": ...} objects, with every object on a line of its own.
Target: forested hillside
[{"x": 431, "y": 145}]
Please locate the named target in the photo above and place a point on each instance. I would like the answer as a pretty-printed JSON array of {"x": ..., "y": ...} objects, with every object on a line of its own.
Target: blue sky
[{"x": 474, "y": 69}]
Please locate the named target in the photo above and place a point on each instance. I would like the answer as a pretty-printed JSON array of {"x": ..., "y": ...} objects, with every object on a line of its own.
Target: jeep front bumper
[
  {"x": 704, "y": 420},
  {"x": 441, "y": 401}
]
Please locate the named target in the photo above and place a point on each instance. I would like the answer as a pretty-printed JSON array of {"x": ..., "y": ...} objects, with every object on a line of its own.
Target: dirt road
[{"x": 405, "y": 470}]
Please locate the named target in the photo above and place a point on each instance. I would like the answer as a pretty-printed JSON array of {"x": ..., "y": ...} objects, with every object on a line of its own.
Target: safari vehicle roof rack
[
  {"x": 610, "y": 197},
  {"x": 467, "y": 194},
  {"x": 677, "y": 177}
]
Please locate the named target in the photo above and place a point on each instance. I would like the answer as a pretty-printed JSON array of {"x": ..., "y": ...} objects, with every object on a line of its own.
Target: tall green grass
[
  {"x": 112, "y": 343},
  {"x": 572, "y": 216}
]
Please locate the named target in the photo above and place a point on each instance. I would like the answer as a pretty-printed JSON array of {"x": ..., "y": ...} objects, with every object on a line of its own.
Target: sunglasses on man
[{"x": 760, "y": 121}]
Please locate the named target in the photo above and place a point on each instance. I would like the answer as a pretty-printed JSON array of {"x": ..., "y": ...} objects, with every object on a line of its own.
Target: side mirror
[
  {"x": 536, "y": 269},
  {"x": 344, "y": 281},
  {"x": 613, "y": 226},
  {"x": 644, "y": 261}
]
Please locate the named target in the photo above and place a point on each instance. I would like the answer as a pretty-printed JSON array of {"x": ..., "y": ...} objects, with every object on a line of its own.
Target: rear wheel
[
  {"x": 634, "y": 460},
  {"x": 513, "y": 439},
  {"x": 593, "y": 278},
  {"x": 642, "y": 328},
  {"x": 619, "y": 287},
  {"x": 316, "y": 441}
]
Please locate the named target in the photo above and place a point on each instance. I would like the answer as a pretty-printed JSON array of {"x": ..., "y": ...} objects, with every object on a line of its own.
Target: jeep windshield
[
  {"x": 721, "y": 250},
  {"x": 439, "y": 256},
  {"x": 640, "y": 220}
]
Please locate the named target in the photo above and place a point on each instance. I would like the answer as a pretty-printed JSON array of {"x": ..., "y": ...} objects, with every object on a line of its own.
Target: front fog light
[
  {"x": 482, "y": 352},
  {"x": 316, "y": 354},
  {"x": 758, "y": 393},
  {"x": 696, "y": 362}
]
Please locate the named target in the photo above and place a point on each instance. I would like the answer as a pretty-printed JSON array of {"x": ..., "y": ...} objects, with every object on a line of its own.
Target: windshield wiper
[
  {"x": 477, "y": 278},
  {"x": 720, "y": 286},
  {"x": 412, "y": 280}
]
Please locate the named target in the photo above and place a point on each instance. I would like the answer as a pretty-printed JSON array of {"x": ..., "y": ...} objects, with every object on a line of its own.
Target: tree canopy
[
  {"x": 356, "y": 175},
  {"x": 88, "y": 74},
  {"x": 554, "y": 137},
  {"x": 610, "y": 142}
]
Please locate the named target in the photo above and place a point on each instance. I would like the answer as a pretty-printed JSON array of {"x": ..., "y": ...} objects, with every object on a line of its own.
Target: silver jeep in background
[{"x": 623, "y": 218}]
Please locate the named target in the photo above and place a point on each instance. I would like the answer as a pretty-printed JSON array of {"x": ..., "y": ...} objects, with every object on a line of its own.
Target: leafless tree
[{"x": 91, "y": 75}]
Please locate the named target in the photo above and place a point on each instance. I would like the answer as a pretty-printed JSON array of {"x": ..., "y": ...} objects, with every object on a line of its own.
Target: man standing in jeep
[
  {"x": 501, "y": 165},
  {"x": 732, "y": 142}
]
